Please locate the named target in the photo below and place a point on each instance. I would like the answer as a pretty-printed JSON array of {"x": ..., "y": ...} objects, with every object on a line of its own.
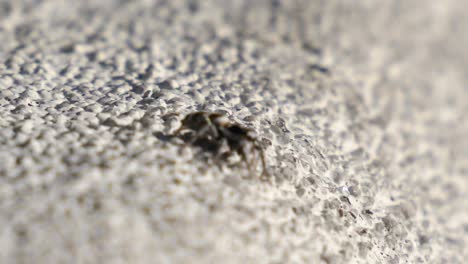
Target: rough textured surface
[{"x": 369, "y": 159}]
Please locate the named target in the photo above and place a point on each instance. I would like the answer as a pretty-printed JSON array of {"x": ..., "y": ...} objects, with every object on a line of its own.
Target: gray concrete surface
[{"x": 368, "y": 161}]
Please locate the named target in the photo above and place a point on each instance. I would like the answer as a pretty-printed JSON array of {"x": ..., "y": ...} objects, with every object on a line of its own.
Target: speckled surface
[{"x": 368, "y": 161}]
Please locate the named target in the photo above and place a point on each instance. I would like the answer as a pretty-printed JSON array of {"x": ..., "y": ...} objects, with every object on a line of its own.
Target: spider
[{"x": 214, "y": 133}]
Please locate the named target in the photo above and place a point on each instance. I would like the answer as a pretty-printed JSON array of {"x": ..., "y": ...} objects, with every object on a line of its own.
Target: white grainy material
[{"x": 364, "y": 104}]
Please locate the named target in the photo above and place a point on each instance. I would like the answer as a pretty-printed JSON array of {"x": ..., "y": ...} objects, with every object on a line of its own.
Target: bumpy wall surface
[{"x": 364, "y": 104}]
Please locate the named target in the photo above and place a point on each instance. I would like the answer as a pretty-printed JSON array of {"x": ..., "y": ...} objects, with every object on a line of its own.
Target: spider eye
[{"x": 235, "y": 129}]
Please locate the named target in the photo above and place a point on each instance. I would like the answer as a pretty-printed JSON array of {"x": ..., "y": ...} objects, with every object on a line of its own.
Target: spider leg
[
  {"x": 220, "y": 158},
  {"x": 198, "y": 135},
  {"x": 212, "y": 127},
  {"x": 255, "y": 160},
  {"x": 262, "y": 158},
  {"x": 241, "y": 152},
  {"x": 219, "y": 153},
  {"x": 218, "y": 163},
  {"x": 177, "y": 132}
]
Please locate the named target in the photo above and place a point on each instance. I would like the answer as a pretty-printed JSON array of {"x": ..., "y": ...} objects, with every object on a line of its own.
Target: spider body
[{"x": 214, "y": 133}]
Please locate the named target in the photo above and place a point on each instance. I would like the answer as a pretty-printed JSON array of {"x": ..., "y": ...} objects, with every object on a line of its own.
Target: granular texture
[{"x": 361, "y": 106}]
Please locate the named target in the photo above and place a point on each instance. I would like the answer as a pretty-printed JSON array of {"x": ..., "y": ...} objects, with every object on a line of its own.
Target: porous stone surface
[{"x": 364, "y": 104}]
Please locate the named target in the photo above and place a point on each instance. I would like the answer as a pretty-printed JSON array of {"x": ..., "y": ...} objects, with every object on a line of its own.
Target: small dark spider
[{"x": 214, "y": 133}]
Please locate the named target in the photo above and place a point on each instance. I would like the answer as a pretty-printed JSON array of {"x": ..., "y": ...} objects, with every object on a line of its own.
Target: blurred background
[{"x": 364, "y": 103}]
